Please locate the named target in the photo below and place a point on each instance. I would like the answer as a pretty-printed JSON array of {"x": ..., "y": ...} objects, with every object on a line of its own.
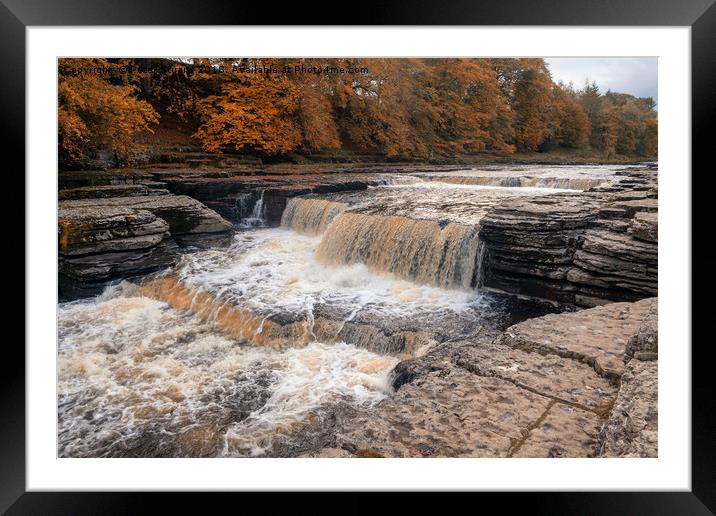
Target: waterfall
[
  {"x": 476, "y": 180},
  {"x": 566, "y": 183},
  {"x": 478, "y": 278},
  {"x": 256, "y": 217},
  {"x": 425, "y": 251},
  {"x": 243, "y": 324},
  {"x": 310, "y": 216}
]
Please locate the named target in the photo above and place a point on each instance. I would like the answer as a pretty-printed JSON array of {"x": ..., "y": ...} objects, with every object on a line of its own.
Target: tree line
[{"x": 421, "y": 108}]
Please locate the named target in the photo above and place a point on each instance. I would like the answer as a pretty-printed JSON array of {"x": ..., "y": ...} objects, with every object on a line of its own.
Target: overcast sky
[{"x": 634, "y": 75}]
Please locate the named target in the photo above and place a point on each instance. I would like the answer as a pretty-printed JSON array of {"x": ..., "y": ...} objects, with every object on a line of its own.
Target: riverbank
[{"x": 188, "y": 155}]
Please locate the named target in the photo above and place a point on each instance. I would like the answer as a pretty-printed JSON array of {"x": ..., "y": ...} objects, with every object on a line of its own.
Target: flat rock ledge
[
  {"x": 125, "y": 223},
  {"x": 553, "y": 386},
  {"x": 583, "y": 249},
  {"x": 632, "y": 427},
  {"x": 105, "y": 238},
  {"x": 235, "y": 196}
]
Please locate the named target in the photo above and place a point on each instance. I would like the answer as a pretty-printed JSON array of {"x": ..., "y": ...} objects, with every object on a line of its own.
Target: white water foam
[
  {"x": 137, "y": 378},
  {"x": 313, "y": 377},
  {"x": 276, "y": 270}
]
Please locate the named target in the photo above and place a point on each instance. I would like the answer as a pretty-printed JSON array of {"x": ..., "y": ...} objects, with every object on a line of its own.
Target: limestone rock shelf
[
  {"x": 584, "y": 249},
  {"x": 125, "y": 223},
  {"x": 531, "y": 392},
  {"x": 107, "y": 238}
]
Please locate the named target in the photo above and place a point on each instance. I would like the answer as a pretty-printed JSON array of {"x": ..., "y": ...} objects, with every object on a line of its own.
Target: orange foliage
[
  {"x": 94, "y": 113},
  {"x": 649, "y": 143},
  {"x": 607, "y": 129},
  {"x": 257, "y": 114},
  {"x": 625, "y": 125},
  {"x": 315, "y": 115},
  {"x": 571, "y": 124},
  {"x": 531, "y": 103},
  {"x": 461, "y": 99},
  {"x": 422, "y": 108}
]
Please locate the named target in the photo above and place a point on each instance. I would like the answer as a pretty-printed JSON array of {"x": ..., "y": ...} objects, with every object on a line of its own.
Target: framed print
[{"x": 445, "y": 240}]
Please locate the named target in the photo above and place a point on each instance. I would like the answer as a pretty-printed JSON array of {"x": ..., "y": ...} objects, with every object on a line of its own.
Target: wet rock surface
[
  {"x": 507, "y": 398},
  {"x": 597, "y": 337},
  {"x": 632, "y": 427},
  {"x": 485, "y": 381},
  {"x": 583, "y": 249},
  {"x": 106, "y": 238}
]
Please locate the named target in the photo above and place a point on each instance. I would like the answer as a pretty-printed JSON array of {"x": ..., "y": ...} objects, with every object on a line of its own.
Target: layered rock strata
[
  {"x": 389, "y": 334},
  {"x": 235, "y": 196},
  {"x": 190, "y": 201},
  {"x": 103, "y": 239},
  {"x": 583, "y": 248}
]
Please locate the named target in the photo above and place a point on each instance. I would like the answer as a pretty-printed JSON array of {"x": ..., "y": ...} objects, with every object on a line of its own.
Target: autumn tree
[
  {"x": 256, "y": 113},
  {"x": 625, "y": 125},
  {"x": 527, "y": 86},
  {"x": 93, "y": 113},
  {"x": 607, "y": 130},
  {"x": 570, "y": 124},
  {"x": 417, "y": 108},
  {"x": 176, "y": 87},
  {"x": 649, "y": 140},
  {"x": 318, "y": 127},
  {"x": 629, "y": 130},
  {"x": 370, "y": 108},
  {"x": 463, "y": 102}
]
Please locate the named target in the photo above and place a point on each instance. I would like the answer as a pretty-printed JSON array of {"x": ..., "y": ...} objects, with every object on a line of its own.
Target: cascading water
[
  {"x": 531, "y": 176},
  {"x": 310, "y": 216},
  {"x": 246, "y": 351},
  {"x": 478, "y": 277},
  {"x": 562, "y": 183},
  {"x": 256, "y": 217},
  {"x": 140, "y": 379},
  {"x": 420, "y": 250},
  {"x": 269, "y": 289}
]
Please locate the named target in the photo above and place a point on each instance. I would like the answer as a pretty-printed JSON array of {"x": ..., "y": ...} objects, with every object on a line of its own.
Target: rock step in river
[
  {"x": 577, "y": 248},
  {"x": 370, "y": 271},
  {"x": 106, "y": 238},
  {"x": 273, "y": 288},
  {"x": 554, "y": 386},
  {"x": 390, "y": 267}
]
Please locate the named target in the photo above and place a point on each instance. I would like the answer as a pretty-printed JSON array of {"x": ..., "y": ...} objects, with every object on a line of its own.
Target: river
[{"x": 249, "y": 350}]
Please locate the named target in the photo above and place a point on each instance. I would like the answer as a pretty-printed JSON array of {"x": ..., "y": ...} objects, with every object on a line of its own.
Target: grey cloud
[{"x": 634, "y": 75}]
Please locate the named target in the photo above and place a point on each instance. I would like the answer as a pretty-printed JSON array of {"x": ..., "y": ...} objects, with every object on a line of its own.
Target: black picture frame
[{"x": 17, "y": 15}]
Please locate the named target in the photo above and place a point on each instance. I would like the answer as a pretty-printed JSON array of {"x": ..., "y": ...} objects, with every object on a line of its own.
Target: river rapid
[{"x": 250, "y": 350}]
